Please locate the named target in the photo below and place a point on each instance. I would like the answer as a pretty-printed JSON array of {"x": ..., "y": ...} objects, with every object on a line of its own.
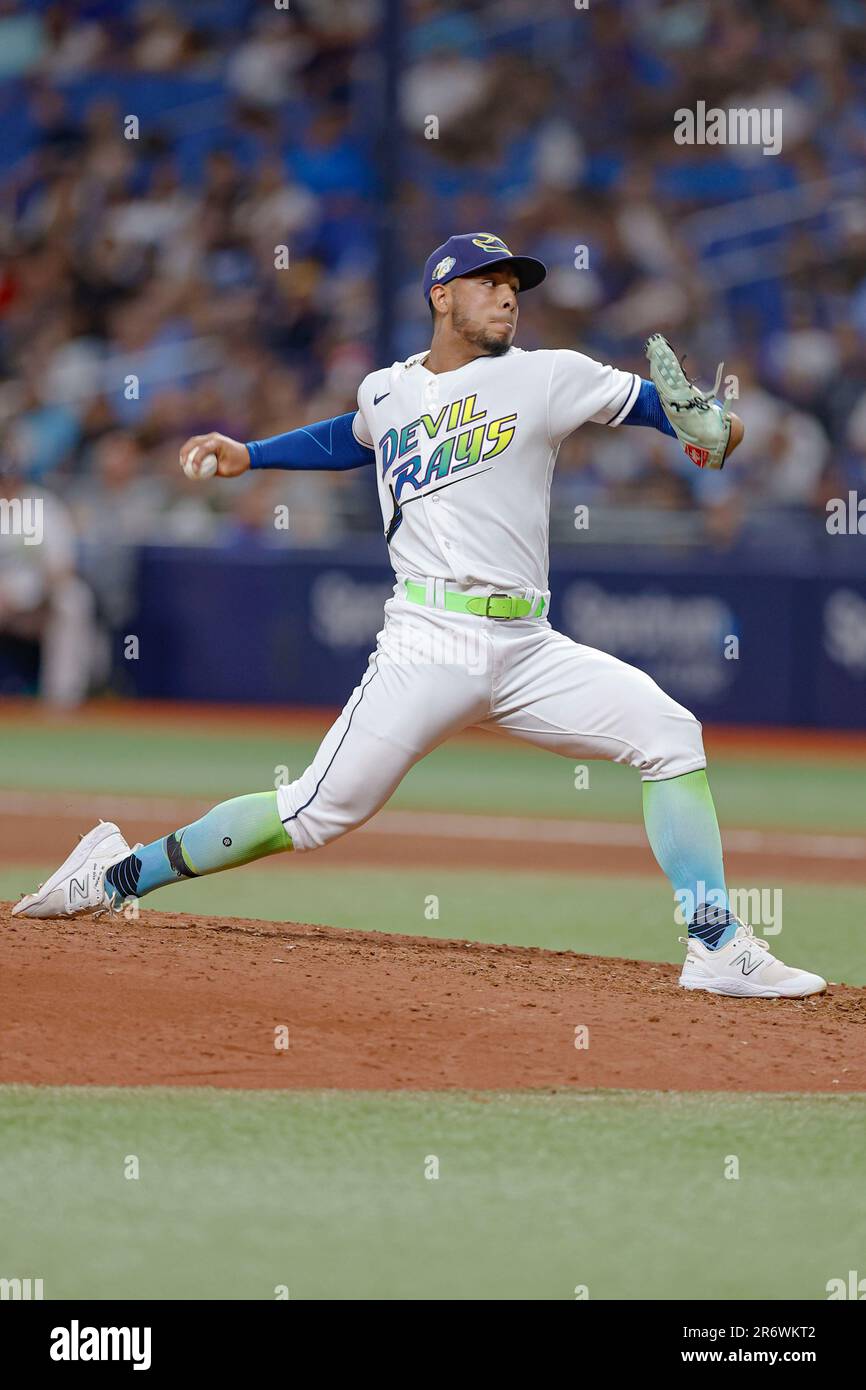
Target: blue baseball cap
[{"x": 461, "y": 254}]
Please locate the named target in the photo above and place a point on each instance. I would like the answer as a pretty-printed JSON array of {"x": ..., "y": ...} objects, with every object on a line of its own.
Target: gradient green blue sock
[
  {"x": 232, "y": 833},
  {"x": 683, "y": 832}
]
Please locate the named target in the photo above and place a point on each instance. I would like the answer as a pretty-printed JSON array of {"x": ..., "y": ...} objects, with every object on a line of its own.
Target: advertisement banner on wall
[
  {"x": 840, "y": 655},
  {"x": 297, "y": 629},
  {"x": 723, "y": 647}
]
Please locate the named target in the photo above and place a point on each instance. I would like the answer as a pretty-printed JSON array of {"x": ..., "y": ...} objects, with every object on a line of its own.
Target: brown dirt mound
[{"x": 177, "y": 1001}]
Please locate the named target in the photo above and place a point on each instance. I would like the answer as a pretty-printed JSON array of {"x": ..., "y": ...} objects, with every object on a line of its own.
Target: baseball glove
[{"x": 700, "y": 423}]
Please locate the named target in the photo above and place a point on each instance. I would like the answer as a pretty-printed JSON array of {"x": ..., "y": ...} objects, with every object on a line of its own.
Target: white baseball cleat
[
  {"x": 745, "y": 967},
  {"x": 78, "y": 885}
]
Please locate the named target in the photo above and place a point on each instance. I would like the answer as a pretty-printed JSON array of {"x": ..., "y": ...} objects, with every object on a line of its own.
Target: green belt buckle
[{"x": 501, "y": 606}]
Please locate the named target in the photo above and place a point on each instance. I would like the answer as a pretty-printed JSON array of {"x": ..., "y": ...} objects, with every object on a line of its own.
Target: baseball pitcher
[{"x": 462, "y": 440}]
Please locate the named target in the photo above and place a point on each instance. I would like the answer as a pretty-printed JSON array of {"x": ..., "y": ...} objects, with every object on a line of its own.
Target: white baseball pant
[{"x": 434, "y": 673}]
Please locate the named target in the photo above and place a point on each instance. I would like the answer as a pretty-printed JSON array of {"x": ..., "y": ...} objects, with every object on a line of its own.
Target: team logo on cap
[
  {"x": 447, "y": 263},
  {"x": 488, "y": 242}
]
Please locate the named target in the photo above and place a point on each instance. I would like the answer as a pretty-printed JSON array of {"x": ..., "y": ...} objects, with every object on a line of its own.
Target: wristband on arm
[{"x": 647, "y": 410}]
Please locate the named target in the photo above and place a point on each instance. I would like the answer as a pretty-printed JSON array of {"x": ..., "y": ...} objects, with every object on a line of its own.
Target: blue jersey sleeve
[
  {"x": 647, "y": 410},
  {"x": 326, "y": 444}
]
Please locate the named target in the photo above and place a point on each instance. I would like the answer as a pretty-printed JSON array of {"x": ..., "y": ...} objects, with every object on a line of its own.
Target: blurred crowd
[
  {"x": 156, "y": 159},
  {"x": 753, "y": 258}
]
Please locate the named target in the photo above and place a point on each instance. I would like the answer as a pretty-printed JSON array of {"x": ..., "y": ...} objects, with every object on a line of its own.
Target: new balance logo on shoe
[
  {"x": 748, "y": 961},
  {"x": 78, "y": 889}
]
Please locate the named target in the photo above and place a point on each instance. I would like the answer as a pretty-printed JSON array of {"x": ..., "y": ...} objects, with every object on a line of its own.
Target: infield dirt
[{"x": 175, "y": 1000}]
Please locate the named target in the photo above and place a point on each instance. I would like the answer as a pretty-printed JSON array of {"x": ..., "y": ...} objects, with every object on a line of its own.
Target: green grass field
[
  {"x": 492, "y": 774},
  {"x": 326, "y": 1193}
]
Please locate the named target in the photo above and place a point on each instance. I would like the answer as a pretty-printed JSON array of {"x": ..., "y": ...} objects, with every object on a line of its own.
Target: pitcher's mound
[{"x": 173, "y": 1000}]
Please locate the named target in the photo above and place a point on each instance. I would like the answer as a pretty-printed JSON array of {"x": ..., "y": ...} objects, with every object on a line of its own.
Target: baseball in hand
[{"x": 200, "y": 468}]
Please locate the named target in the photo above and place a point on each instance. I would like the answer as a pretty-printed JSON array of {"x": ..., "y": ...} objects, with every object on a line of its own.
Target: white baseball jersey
[
  {"x": 434, "y": 673},
  {"x": 464, "y": 459}
]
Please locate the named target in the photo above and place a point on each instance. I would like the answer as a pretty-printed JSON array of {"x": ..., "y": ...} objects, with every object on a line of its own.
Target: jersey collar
[{"x": 418, "y": 358}]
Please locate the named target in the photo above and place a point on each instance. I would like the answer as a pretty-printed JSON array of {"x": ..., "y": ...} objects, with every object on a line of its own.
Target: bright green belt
[{"x": 503, "y": 606}]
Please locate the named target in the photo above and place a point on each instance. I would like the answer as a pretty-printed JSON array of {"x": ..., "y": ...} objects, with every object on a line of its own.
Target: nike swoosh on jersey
[{"x": 377, "y": 399}]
